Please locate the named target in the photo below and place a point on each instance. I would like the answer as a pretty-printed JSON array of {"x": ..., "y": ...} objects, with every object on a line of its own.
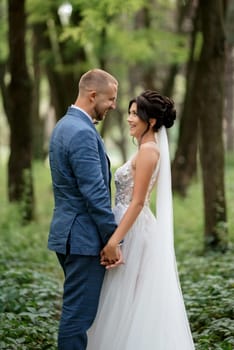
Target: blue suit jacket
[{"x": 81, "y": 183}]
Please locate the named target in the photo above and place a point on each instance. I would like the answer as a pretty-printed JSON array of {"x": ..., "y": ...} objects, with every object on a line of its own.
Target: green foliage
[
  {"x": 3, "y": 31},
  {"x": 109, "y": 29},
  {"x": 38, "y": 13},
  {"x": 109, "y": 8},
  {"x": 31, "y": 280},
  {"x": 29, "y": 307},
  {"x": 207, "y": 280},
  {"x": 208, "y": 292}
]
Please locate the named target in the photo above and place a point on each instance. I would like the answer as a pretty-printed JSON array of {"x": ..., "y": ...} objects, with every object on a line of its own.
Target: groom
[{"x": 82, "y": 221}]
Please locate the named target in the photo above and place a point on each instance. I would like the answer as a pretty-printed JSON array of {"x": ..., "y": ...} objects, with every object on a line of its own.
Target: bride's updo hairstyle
[{"x": 151, "y": 104}]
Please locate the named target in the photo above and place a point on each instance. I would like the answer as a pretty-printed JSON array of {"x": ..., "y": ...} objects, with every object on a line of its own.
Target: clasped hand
[{"x": 111, "y": 256}]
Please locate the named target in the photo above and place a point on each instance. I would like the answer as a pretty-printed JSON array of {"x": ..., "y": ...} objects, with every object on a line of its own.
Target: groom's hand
[
  {"x": 111, "y": 256},
  {"x": 117, "y": 263}
]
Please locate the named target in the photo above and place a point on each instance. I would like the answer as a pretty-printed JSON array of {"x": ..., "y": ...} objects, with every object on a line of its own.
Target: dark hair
[{"x": 151, "y": 104}]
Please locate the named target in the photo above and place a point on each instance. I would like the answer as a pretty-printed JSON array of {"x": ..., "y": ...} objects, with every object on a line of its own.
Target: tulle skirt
[{"x": 141, "y": 305}]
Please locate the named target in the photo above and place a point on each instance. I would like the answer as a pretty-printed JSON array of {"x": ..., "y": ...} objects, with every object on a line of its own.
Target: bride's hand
[
  {"x": 117, "y": 263},
  {"x": 111, "y": 255}
]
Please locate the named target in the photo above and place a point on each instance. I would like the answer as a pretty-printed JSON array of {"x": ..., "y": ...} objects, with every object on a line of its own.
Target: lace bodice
[{"x": 124, "y": 184}]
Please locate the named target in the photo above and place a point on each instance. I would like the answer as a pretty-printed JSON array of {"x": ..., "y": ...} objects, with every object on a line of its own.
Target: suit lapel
[
  {"x": 108, "y": 162},
  {"x": 87, "y": 120}
]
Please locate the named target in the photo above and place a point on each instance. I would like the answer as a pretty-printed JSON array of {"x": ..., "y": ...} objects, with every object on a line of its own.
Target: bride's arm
[{"x": 146, "y": 160}]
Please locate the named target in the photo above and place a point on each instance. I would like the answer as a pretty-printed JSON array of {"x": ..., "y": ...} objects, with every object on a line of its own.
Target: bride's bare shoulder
[
  {"x": 150, "y": 147},
  {"x": 148, "y": 153}
]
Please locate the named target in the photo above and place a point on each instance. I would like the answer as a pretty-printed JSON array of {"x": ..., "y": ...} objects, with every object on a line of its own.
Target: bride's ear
[{"x": 152, "y": 122}]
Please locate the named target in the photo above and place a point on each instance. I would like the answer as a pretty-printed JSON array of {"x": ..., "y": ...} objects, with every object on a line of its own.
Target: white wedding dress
[{"x": 141, "y": 305}]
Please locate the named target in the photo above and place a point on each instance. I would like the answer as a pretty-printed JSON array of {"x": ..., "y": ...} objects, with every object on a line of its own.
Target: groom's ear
[{"x": 92, "y": 95}]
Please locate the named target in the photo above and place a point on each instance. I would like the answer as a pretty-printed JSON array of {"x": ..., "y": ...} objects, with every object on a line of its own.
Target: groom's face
[{"x": 105, "y": 100}]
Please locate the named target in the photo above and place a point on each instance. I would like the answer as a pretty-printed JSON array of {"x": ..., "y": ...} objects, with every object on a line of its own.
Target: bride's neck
[{"x": 148, "y": 137}]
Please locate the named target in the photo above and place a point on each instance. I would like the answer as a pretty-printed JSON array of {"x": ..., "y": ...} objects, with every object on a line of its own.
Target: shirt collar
[{"x": 80, "y": 109}]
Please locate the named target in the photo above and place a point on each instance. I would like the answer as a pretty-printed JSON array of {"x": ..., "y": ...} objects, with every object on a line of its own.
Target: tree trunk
[
  {"x": 38, "y": 127},
  {"x": 20, "y": 186},
  {"x": 209, "y": 92},
  {"x": 229, "y": 83},
  {"x": 184, "y": 164},
  {"x": 3, "y": 87},
  {"x": 65, "y": 66},
  {"x": 63, "y": 88},
  {"x": 229, "y": 105}
]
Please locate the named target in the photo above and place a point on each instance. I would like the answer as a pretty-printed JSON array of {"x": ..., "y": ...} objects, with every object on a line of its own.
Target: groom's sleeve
[{"x": 86, "y": 165}]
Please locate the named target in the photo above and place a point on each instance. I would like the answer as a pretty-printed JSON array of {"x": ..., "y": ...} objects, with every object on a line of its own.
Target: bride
[{"x": 141, "y": 305}]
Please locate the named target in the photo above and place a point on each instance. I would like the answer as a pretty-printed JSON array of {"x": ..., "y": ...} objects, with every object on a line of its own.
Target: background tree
[
  {"x": 4, "y": 52},
  {"x": 208, "y": 99},
  {"x": 229, "y": 81},
  {"x": 62, "y": 60},
  {"x": 20, "y": 184},
  {"x": 185, "y": 160}
]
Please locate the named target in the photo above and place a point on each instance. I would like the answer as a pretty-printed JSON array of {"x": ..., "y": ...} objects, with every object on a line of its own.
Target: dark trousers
[{"x": 83, "y": 281}]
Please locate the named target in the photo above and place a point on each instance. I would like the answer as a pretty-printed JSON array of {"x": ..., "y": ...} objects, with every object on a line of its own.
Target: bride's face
[{"x": 137, "y": 125}]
